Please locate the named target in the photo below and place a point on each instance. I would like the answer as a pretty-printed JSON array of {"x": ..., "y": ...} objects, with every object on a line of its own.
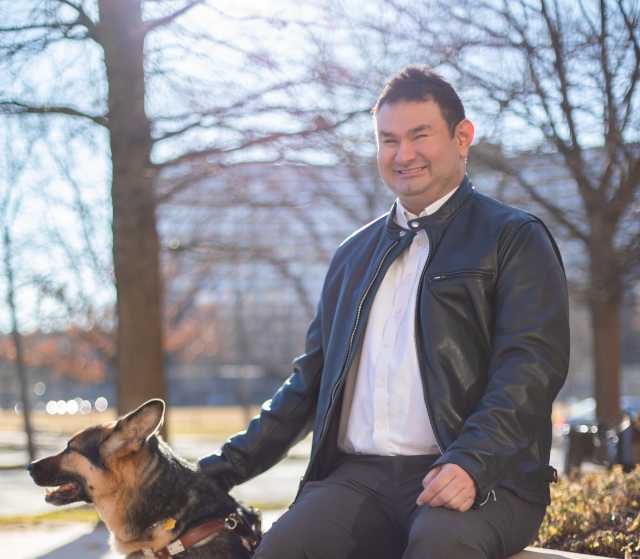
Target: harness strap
[
  {"x": 248, "y": 531},
  {"x": 187, "y": 540}
]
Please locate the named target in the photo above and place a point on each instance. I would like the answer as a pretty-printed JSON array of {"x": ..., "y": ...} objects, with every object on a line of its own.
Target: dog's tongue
[{"x": 60, "y": 491}]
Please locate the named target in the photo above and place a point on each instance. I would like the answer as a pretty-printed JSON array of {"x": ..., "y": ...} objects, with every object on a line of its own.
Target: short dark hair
[{"x": 420, "y": 83}]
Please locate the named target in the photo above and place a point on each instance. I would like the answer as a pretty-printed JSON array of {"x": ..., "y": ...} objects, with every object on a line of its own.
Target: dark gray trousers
[{"x": 365, "y": 509}]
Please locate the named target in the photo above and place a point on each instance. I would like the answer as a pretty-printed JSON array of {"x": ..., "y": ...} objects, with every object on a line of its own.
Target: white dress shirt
[{"x": 387, "y": 414}]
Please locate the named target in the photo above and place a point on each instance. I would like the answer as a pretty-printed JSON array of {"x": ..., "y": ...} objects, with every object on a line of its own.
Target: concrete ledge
[{"x": 538, "y": 553}]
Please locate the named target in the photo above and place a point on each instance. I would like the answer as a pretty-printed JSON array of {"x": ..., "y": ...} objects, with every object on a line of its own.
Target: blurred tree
[
  {"x": 176, "y": 92},
  {"x": 10, "y": 199},
  {"x": 554, "y": 86}
]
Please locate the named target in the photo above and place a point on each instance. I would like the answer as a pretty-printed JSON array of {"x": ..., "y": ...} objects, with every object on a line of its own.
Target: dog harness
[{"x": 247, "y": 529}]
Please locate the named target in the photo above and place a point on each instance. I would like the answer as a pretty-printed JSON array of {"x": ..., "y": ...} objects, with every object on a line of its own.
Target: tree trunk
[
  {"x": 136, "y": 247},
  {"x": 605, "y": 297},
  {"x": 605, "y": 315},
  {"x": 21, "y": 370}
]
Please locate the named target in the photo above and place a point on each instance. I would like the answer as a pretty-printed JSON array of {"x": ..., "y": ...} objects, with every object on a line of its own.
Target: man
[{"x": 440, "y": 342}]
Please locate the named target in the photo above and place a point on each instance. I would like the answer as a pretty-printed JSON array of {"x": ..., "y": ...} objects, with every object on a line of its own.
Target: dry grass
[
  {"x": 598, "y": 514},
  {"x": 72, "y": 514},
  {"x": 218, "y": 422},
  {"x": 86, "y": 513}
]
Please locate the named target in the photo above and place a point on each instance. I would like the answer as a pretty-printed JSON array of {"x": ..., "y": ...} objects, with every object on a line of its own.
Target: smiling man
[
  {"x": 440, "y": 342},
  {"x": 421, "y": 155}
]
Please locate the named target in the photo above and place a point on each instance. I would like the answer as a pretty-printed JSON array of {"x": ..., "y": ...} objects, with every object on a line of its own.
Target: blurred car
[{"x": 587, "y": 441}]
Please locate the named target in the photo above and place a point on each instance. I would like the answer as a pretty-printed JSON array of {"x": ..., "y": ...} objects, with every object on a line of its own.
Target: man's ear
[
  {"x": 463, "y": 134},
  {"x": 131, "y": 431}
]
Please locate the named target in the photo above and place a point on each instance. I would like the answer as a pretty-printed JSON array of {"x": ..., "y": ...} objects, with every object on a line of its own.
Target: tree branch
[
  {"x": 559, "y": 63},
  {"x": 257, "y": 253},
  {"x": 627, "y": 190},
  {"x": 166, "y": 20},
  {"x": 632, "y": 28},
  {"x": 83, "y": 19},
  {"x": 199, "y": 155},
  {"x": 17, "y": 107},
  {"x": 611, "y": 133},
  {"x": 499, "y": 163}
]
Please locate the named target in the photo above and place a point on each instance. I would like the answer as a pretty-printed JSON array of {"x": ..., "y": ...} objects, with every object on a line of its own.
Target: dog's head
[{"x": 100, "y": 460}]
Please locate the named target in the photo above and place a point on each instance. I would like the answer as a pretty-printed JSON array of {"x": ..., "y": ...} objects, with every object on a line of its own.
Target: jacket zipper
[
  {"x": 418, "y": 345},
  {"x": 490, "y": 495},
  {"x": 348, "y": 359},
  {"x": 457, "y": 273}
]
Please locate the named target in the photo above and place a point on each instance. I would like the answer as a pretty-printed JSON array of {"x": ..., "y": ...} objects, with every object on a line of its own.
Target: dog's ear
[{"x": 131, "y": 431}]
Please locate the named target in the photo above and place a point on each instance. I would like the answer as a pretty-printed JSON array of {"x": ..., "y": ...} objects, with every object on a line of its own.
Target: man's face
[{"x": 418, "y": 158}]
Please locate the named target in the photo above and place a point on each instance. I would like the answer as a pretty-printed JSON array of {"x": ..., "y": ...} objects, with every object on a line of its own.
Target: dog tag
[{"x": 169, "y": 524}]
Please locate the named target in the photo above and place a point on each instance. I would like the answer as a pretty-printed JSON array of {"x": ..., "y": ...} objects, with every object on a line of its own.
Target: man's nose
[{"x": 405, "y": 153}]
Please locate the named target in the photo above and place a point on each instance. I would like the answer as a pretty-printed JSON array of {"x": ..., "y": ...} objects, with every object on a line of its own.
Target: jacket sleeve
[
  {"x": 283, "y": 420},
  {"x": 528, "y": 363}
]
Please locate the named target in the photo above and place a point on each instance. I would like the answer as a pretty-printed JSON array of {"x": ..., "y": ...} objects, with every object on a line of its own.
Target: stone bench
[{"x": 537, "y": 553}]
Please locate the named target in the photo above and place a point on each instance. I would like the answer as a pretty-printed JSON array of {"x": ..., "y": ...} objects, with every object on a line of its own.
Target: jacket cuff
[{"x": 217, "y": 468}]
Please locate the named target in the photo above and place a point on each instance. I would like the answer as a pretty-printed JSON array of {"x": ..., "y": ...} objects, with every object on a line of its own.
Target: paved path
[
  {"x": 85, "y": 541},
  {"x": 68, "y": 541}
]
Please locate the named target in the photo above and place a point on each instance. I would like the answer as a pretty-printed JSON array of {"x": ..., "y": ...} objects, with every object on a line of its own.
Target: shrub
[{"x": 597, "y": 513}]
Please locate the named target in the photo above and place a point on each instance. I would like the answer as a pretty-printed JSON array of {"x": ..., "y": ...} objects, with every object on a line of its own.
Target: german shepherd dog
[{"x": 154, "y": 503}]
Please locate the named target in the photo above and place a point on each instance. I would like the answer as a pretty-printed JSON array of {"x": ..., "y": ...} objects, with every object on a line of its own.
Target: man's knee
[
  {"x": 296, "y": 535},
  {"x": 284, "y": 540},
  {"x": 276, "y": 546},
  {"x": 439, "y": 534}
]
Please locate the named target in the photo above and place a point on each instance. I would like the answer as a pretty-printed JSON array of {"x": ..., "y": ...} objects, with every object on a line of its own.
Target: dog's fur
[{"x": 145, "y": 494}]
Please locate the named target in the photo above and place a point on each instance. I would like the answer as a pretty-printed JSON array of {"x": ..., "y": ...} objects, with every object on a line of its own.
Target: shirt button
[
  {"x": 415, "y": 225},
  {"x": 403, "y": 233}
]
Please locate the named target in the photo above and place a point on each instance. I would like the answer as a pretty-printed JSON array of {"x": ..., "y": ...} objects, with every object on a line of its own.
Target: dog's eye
[{"x": 92, "y": 453}]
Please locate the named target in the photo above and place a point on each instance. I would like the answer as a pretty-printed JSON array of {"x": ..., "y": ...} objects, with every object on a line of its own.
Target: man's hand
[{"x": 448, "y": 486}]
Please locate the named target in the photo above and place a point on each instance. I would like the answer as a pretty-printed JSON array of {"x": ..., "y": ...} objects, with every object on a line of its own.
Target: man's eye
[
  {"x": 389, "y": 142},
  {"x": 419, "y": 136}
]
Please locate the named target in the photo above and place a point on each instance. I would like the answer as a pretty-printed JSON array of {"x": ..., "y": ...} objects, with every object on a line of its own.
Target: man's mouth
[{"x": 411, "y": 171}]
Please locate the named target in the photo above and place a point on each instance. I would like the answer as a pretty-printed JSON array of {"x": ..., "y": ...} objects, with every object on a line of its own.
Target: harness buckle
[{"x": 231, "y": 522}]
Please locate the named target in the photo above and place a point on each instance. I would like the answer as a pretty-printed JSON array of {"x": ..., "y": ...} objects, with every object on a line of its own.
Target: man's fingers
[
  {"x": 430, "y": 475},
  {"x": 448, "y": 483},
  {"x": 462, "y": 502},
  {"x": 433, "y": 486},
  {"x": 447, "y": 495}
]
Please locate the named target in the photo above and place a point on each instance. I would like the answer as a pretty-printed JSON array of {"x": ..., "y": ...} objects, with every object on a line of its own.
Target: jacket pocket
[{"x": 469, "y": 273}]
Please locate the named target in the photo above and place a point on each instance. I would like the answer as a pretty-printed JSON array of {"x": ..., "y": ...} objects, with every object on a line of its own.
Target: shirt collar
[{"x": 403, "y": 215}]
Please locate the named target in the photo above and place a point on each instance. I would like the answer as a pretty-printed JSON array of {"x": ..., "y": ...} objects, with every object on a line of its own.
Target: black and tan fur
[{"x": 139, "y": 487}]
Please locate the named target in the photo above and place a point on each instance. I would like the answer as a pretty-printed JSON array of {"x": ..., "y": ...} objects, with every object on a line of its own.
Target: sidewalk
[
  {"x": 70, "y": 540},
  {"x": 86, "y": 541}
]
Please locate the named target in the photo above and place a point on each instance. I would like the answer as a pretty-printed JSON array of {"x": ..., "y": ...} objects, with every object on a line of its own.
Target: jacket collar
[{"x": 437, "y": 219}]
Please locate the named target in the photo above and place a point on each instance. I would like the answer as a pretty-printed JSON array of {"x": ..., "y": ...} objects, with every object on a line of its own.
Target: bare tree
[
  {"x": 169, "y": 96},
  {"x": 10, "y": 198},
  {"x": 575, "y": 82},
  {"x": 554, "y": 87}
]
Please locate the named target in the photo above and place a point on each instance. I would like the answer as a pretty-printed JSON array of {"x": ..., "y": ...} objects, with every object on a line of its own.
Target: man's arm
[
  {"x": 529, "y": 362},
  {"x": 283, "y": 420}
]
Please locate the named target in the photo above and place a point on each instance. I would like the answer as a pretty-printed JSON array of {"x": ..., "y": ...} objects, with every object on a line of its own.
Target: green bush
[{"x": 596, "y": 513}]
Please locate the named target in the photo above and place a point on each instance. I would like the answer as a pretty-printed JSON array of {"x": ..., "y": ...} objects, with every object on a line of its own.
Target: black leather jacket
[{"x": 492, "y": 339}]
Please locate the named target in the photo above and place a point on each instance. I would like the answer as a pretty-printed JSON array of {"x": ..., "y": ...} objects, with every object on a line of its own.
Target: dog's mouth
[{"x": 69, "y": 492}]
